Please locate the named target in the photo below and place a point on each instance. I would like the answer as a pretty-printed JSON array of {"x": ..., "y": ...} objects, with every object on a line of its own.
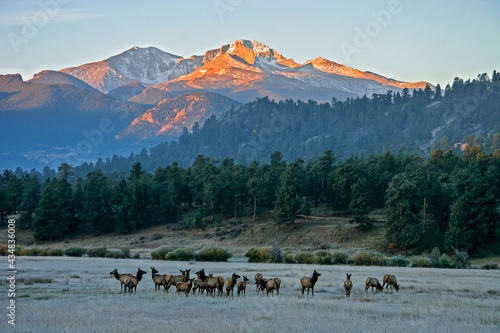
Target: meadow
[{"x": 64, "y": 294}]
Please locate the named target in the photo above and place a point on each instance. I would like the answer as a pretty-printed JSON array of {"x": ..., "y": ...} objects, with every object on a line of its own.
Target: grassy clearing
[{"x": 83, "y": 297}]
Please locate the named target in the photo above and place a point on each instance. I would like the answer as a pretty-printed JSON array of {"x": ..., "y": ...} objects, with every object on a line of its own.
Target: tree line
[{"x": 451, "y": 198}]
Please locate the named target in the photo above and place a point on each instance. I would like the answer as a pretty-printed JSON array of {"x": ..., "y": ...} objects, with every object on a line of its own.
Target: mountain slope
[
  {"x": 145, "y": 65},
  {"x": 53, "y": 122},
  {"x": 170, "y": 116},
  {"x": 53, "y": 77},
  {"x": 126, "y": 91}
]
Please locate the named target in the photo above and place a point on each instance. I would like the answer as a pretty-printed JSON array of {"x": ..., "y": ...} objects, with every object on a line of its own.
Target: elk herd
[{"x": 217, "y": 284}]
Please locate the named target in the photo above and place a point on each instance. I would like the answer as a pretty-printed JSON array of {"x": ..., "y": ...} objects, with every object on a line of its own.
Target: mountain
[
  {"x": 127, "y": 91},
  {"x": 242, "y": 71},
  {"x": 249, "y": 69},
  {"x": 170, "y": 116},
  {"x": 53, "y": 77},
  {"x": 151, "y": 96},
  {"x": 147, "y": 66},
  {"x": 51, "y": 123}
]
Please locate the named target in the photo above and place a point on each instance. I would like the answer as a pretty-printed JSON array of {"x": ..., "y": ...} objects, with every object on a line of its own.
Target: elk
[
  {"x": 177, "y": 278},
  {"x": 229, "y": 283},
  {"x": 390, "y": 280},
  {"x": 273, "y": 284},
  {"x": 184, "y": 287},
  {"x": 200, "y": 285},
  {"x": 123, "y": 278},
  {"x": 348, "y": 285},
  {"x": 309, "y": 282},
  {"x": 158, "y": 279},
  {"x": 257, "y": 278},
  {"x": 373, "y": 282},
  {"x": 211, "y": 281},
  {"x": 134, "y": 280},
  {"x": 261, "y": 286},
  {"x": 242, "y": 285}
]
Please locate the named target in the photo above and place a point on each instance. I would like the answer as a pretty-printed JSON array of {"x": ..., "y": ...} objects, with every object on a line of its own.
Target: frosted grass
[{"x": 79, "y": 295}]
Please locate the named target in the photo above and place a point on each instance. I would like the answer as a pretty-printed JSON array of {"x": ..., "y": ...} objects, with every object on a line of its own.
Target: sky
[{"x": 425, "y": 40}]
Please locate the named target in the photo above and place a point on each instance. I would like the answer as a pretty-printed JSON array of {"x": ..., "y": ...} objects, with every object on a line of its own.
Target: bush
[
  {"x": 75, "y": 251},
  {"x": 400, "y": 261},
  {"x": 340, "y": 257},
  {"x": 444, "y": 261},
  {"x": 323, "y": 257},
  {"x": 361, "y": 258},
  {"x": 181, "y": 254},
  {"x": 115, "y": 254},
  {"x": 213, "y": 253},
  {"x": 126, "y": 251},
  {"x": 378, "y": 260},
  {"x": 422, "y": 262},
  {"x": 460, "y": 259},
  {"x": 29, "y": 251},
  {"x": 3, "y": 249},
  {"x": 55, "y": 252},
  {"x": 252, "y": 254},
  {"x": 161, "y": 252},
  {"x": 489, "y": 266},
  {"x": 304, "y": 258},
  {"x": 434, "y": 257},
  {"x": 43, "y": 252},
  {"x": 276, "y": 255},
  {"x": 289, "y": 259},
  {"x": 99, "y": 252}
]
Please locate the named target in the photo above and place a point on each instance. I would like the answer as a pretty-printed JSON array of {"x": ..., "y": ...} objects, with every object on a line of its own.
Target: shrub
[
  {"x": 126, "y": 251},
  {"x": 252, "y": 254},
  {"x": 362, "y": 258},
  {"x": 434, "y": 257},
  {"x": 275, "y": 255},
  {"x": 340, "y": 257},
  {"x": 43, "y": 252},
  {"x": 444, "y": 261},
  {"x": 377, "y": 260},
  {"x": 181, "y": 254},
  {"x": 3, "y": 249},
  {"x": 489, "y": 266},
  {"x": 323, "y": 257},
  {"x": 460, "y": 259},
  {"x": 213, "y": 253},
  {"x": 422, "y": 262},
  {"x": 115, "y": 254},
  {"x": 29, "y": 251},
  {"x": 304, "y": 258},
  {"x": 161, "y": 252},
  {"x": 75, "y": 251},
  {"x": 400, "y": 261},
  {"x": 99, "y": 252},
  {"x": 289, "y": 258},
  {"x": 55, "y": 252}
]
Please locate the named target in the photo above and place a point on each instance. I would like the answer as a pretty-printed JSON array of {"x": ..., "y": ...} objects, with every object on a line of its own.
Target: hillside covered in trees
[
  {"x": 417, "y": 122},
  {"x": 452, "y": 198}
]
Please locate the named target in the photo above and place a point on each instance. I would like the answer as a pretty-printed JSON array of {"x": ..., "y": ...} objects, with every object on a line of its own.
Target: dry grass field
[{"x": 64, "y": 294}]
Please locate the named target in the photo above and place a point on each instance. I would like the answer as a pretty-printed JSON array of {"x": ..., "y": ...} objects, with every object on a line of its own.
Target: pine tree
[{"x": 288, "y": 202}]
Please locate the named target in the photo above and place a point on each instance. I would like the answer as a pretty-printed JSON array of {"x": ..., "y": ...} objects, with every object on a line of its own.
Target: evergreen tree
[
  {"x": 403, "y": 212},
  {"x": 288, "y": 201}
]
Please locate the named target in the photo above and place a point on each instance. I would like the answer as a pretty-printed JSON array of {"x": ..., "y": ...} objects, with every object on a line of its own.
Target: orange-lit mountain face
[{"x": 242, "y": 71}]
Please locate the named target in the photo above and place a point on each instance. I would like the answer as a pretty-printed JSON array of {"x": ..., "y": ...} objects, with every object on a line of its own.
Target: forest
[
  {"x": 453, "y": 196},
  {"x": 417, "y": 122}
]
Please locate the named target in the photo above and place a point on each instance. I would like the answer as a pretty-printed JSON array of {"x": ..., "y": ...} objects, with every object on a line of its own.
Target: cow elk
[
  {"x": 309, "y": 282},
  {"x": 374, "y": 283},
  {"x": 242, "y": 285},
  {"x": 123, "y": 278},
  {"x": 390, "y": 280},
  {"x": 184, "y": 287},
  {"x": 159, "y": 279},
  {"x": 348, "y": 285},
  {"x": 134, "y": 280},
  {"x": 229, "y": 283}
]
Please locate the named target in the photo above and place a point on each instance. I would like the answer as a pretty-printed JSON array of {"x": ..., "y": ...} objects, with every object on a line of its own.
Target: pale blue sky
[{"x": 433, "y": 41}]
